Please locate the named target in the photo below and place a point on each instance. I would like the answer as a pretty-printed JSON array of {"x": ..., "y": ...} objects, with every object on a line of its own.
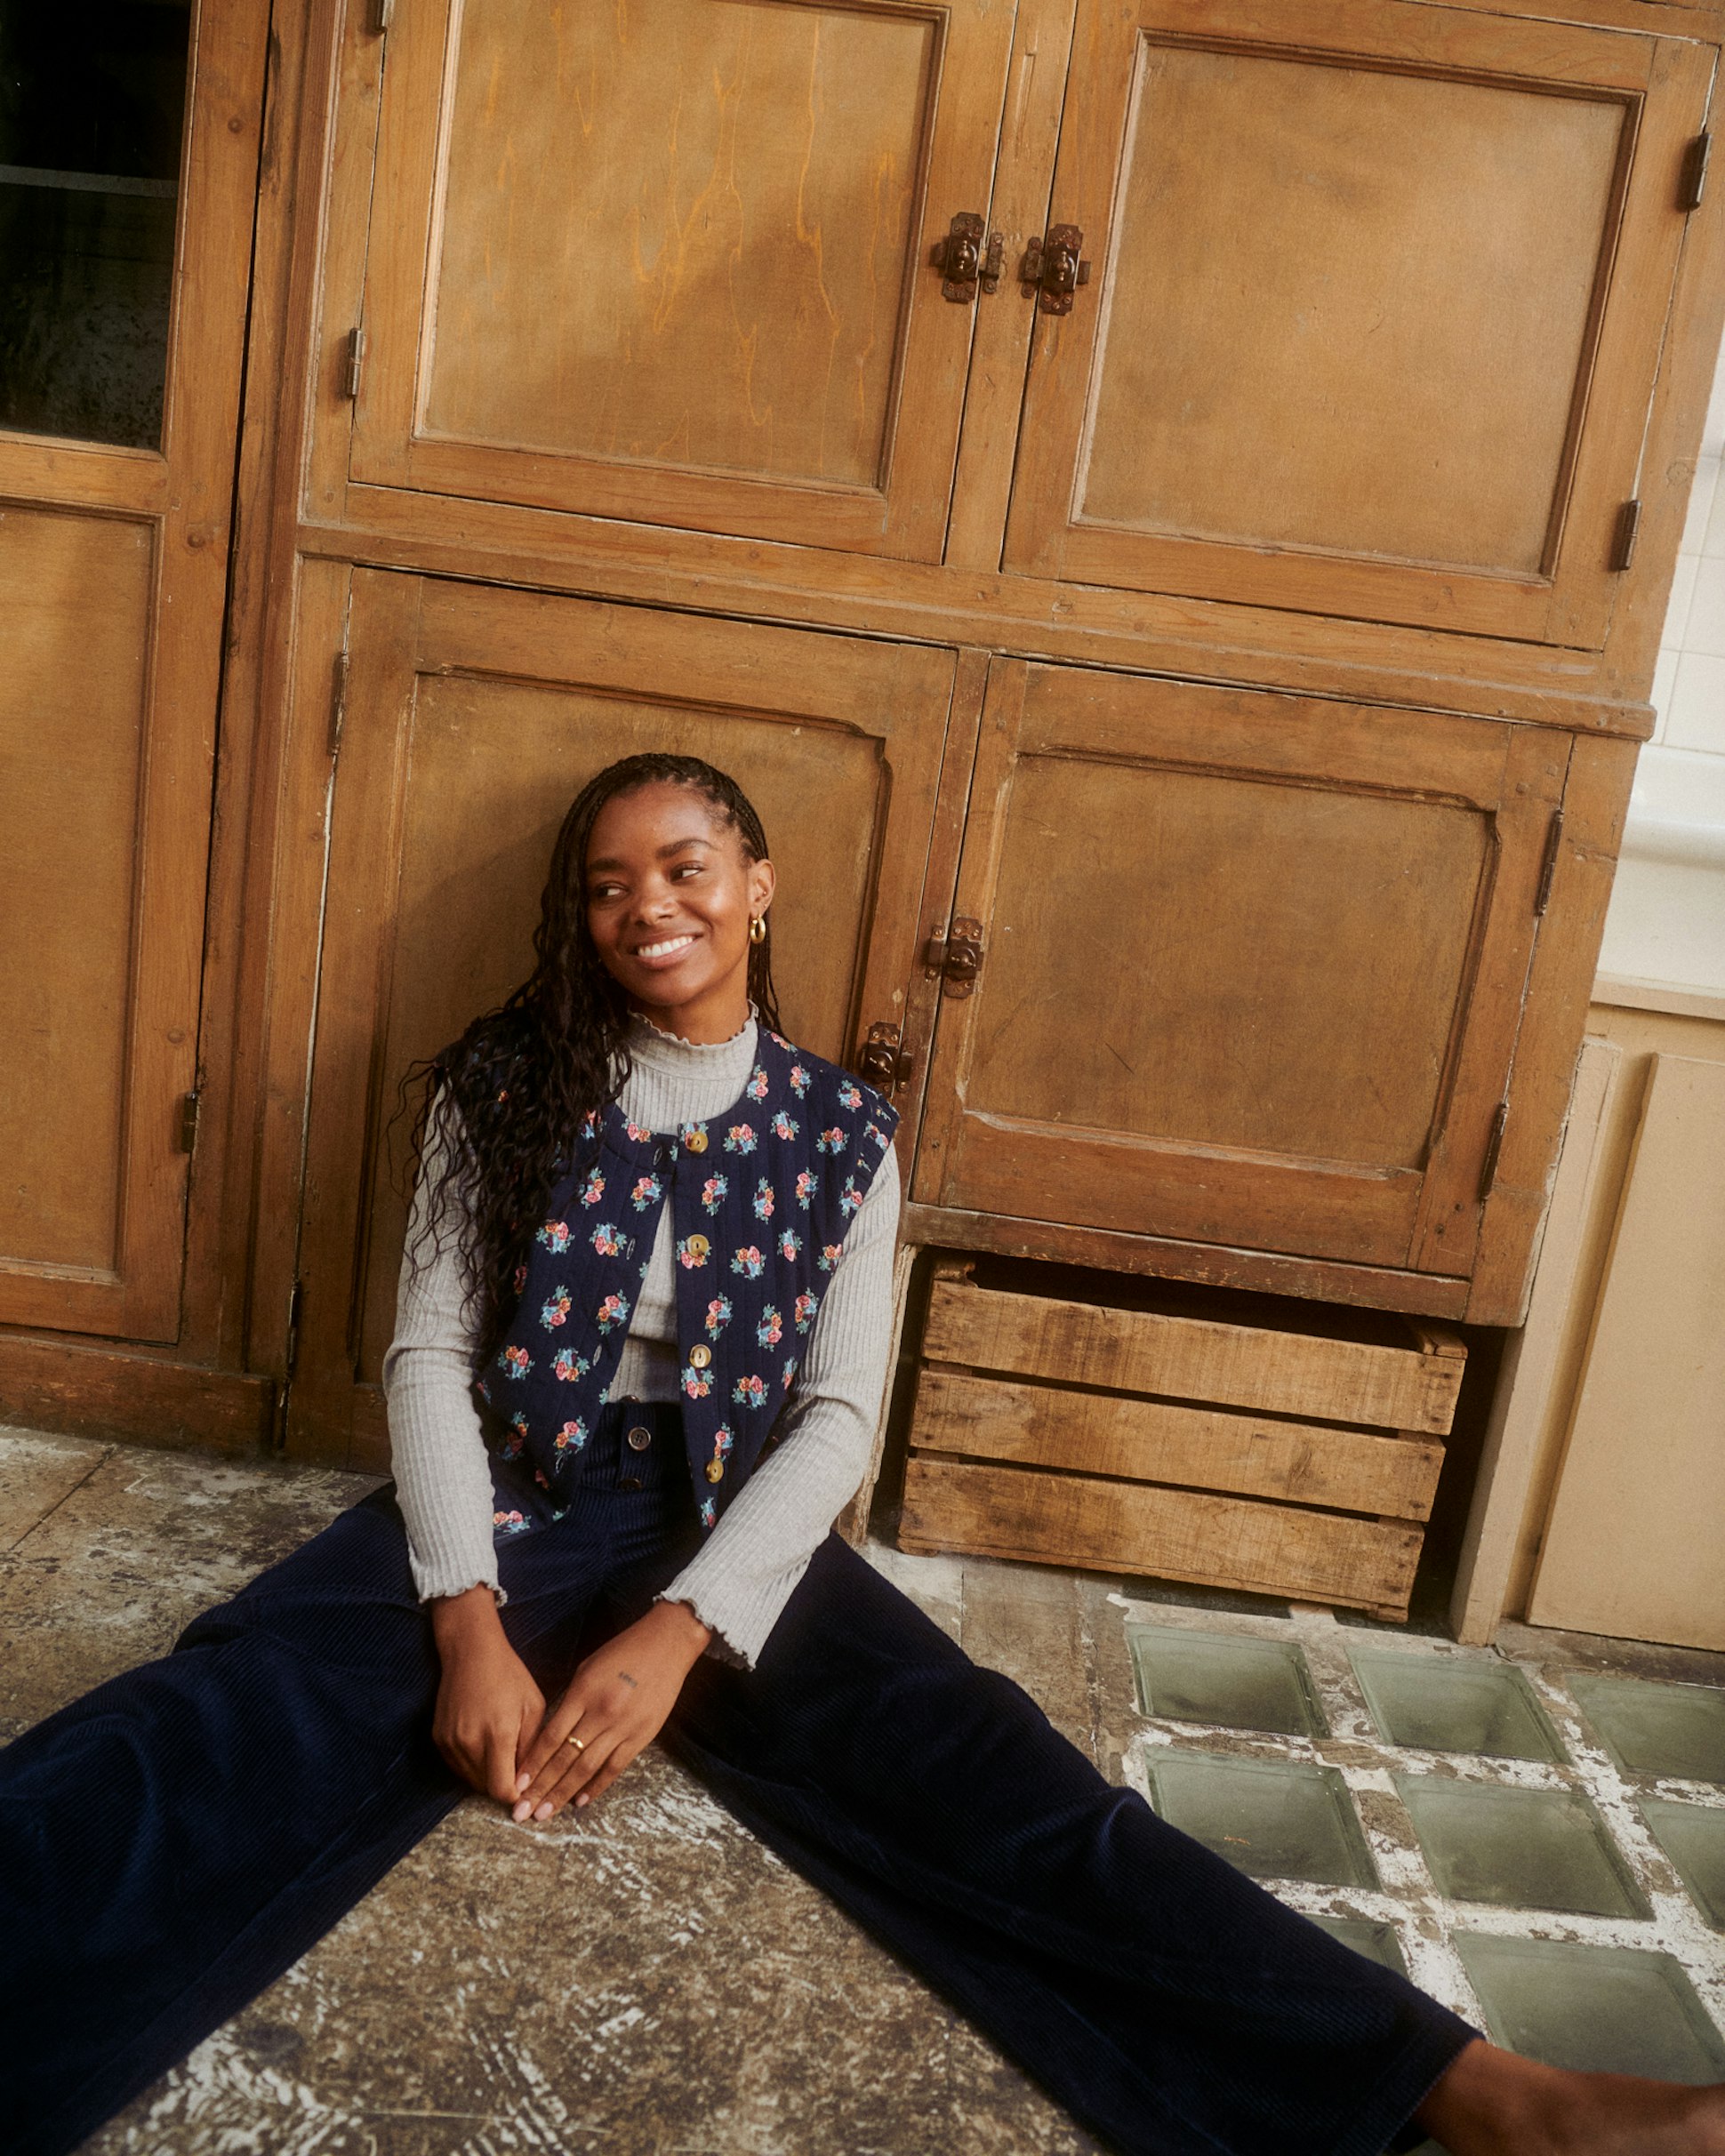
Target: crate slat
[
  {"x": 1140, "y": 1440},
  {"x": 1176, "y": 1534},
  {"x": 1191, "y": 1358}
]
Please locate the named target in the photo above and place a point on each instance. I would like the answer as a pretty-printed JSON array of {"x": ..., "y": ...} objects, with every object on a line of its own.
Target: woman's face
[{"x": 670, "y": 894}]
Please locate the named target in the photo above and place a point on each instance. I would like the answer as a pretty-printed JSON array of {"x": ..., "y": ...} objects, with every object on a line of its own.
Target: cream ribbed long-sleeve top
[{"x": 744, "y": 1573}]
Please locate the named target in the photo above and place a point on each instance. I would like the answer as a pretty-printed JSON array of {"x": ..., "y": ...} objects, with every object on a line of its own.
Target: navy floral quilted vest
[{"x": 762, "y": 1198}]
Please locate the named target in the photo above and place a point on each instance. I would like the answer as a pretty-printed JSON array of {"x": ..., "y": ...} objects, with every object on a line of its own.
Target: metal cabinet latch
[
  {"x": 882, "y": 1062},
  {"x": 959, "y": 258},
  {"x": 1054, "y": 268},
  {"x": 956, "y": 955}
]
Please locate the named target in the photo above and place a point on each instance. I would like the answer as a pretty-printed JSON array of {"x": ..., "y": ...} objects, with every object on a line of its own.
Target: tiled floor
[
  {"x": 578, "y": 1986},
  {"x": 1544, "y": 1843}
]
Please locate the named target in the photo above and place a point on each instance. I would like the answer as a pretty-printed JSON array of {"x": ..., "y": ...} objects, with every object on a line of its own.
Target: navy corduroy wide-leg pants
[{"x": 173, "y": 1841}]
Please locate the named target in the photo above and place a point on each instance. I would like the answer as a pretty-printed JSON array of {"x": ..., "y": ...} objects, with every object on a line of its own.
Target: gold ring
[{"x": 573, "y": 1739}]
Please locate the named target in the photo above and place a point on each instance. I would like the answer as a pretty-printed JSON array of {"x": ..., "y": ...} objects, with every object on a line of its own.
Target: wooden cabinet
[
  {"x": 472, "y": 717},
  {"x": 115, "y": 493},
  {"x": 1252, "y": 969},
  {"x": 662, "y": 262},
  {"x": 1376, "y": 308},
  {"x": 1351, "y": 311},
  {"x": 1209, "y": 571}
]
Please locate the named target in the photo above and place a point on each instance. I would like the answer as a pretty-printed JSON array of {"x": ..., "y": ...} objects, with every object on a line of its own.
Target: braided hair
[{"x": 510, "y": 1095}]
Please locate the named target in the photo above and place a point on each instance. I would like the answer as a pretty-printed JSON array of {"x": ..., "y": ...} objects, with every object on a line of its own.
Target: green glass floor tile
[
  {"x": 1233, "y": 1684},
  {"x": 1656, "y": 1730},
  {"x": 1693, "y": 1836},
  {"x": 1518, "y": 1848},
  {"x": 1439, "y": 1705},
  {"x": 1379, "y": 1943},
  {"x": 1273, "y": 1821},
  {"x": 1606, "y": 2010}
]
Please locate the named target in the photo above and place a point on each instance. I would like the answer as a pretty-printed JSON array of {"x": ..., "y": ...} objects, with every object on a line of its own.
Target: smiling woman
[{"x": 642, "y": 1341}]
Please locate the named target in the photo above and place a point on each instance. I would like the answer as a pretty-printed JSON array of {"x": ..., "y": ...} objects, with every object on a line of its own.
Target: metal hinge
[
  {"x": 291, "y": 1361},
  {"x": 356, "y": 366},
  {"x": 1493, "y": 1146},
  {"x": 1623, "y": 540},
  {"x": 956, "y": 955},
  {"x": 1054, "y": 268},
  {"x": 338, "y": 701},
  {"x": 1548, "y": 866},
  {"x": 1694, "y": 179},
  {"x": 882, "y": 1062},
  {"x": 378, "y": 13},
  {"x": 188, "y": 1133}
]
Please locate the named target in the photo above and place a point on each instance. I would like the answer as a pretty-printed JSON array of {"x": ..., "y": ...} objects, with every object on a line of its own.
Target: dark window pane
[{"x": 92, "y": 107}]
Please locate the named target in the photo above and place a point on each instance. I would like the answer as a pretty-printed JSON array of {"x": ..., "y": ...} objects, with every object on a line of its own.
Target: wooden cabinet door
[
  {"x": 1253, "y": 968},
  {"x": 1376, "y": 306},
  {"x": 472, "y": 718},
  {"x": 670, "y": 261},
  {"x": 122, "y": 333}
]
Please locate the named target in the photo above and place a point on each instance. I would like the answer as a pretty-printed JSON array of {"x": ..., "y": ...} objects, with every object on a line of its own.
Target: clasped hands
[{"x": 493, "y": 1726}]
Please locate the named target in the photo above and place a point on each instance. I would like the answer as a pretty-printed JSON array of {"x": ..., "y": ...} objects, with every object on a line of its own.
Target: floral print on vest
[{"x": 749, "y": 1284}]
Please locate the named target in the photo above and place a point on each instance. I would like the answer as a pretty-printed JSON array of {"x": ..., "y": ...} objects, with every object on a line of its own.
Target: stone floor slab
[
  {"x": 1693, "y": 1836},
  {"x": 39, "y": 1470},
  {"x": 642, "y": 1979},
  {"x": 1662, "y": 1730},
  {"x": 1603, "y": 2009},
  {"x": 1471, "y": 1703},
  {"x": 1379, "y": 1943},
  {"x": 1273, "y": 1821},
  {"x": 1223, "y": 1680},
  {"x": 1518, "y": 1848},
  {"x": 113, "y": 1574}
]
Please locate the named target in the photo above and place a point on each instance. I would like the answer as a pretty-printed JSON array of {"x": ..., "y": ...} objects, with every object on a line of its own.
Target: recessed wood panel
[
  {"x": 672, "y": 260},
  {"x": 1374, "y": 312},
  {"x": 1348, "y": 307},
  {"x": 491, "y": 767},
  {"x": 71, "y": 738},
  {"x": 473, "y": 718},
  {"x": 1200, "y": 903},
  {"x": 1253, "y": 966},
  {"x": 672, "y": 233}
]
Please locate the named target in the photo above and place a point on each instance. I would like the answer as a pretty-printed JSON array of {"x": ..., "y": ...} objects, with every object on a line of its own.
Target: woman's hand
[
  {"x": 488, "y": 1706},
  {"x": 616, "y": 1702}
]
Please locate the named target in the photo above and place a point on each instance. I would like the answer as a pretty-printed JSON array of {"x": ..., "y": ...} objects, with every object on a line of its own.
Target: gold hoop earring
[{"x": 757, "y": 929}]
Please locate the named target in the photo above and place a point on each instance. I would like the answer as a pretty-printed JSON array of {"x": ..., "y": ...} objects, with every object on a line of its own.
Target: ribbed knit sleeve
[
  {"x": 437, "y": 1449},
  {"x": 744, "y": 1572}
]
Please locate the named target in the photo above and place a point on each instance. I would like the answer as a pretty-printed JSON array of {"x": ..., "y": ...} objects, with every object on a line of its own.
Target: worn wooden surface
[
  {"x": 473, "y": 718},
  {"x": 679, "y": 270},
  {"x": 104, "y": 1389},
  {"x": 1308, "y": 928},
  {"x": 1171, "y": 1535},
  {"x": 1191, "y": 1358},
  {"x": 1289, "y": 429},
  {"x": 113, "y": 579},
  {"x": 1206, "y": 1449}
]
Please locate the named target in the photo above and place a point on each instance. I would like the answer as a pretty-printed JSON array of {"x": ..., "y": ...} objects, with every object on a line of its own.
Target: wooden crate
[{"x": 1187, "y": 1447}]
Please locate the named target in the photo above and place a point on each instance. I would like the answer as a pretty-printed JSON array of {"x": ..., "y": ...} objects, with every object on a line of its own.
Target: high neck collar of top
[{"x": 669, "y": 1052}]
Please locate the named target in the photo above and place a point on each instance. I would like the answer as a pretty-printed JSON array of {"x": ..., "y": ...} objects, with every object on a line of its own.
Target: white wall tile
[
  {"x": 1677, "y": 608},
  {"x": 1712, "y": 438},
  {"x": 1664, "y": 680},
  {"x": 1704, "y": 494},
  {"x": 1704, "y": 628},
  {"x": 1696, "y": 717}
]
